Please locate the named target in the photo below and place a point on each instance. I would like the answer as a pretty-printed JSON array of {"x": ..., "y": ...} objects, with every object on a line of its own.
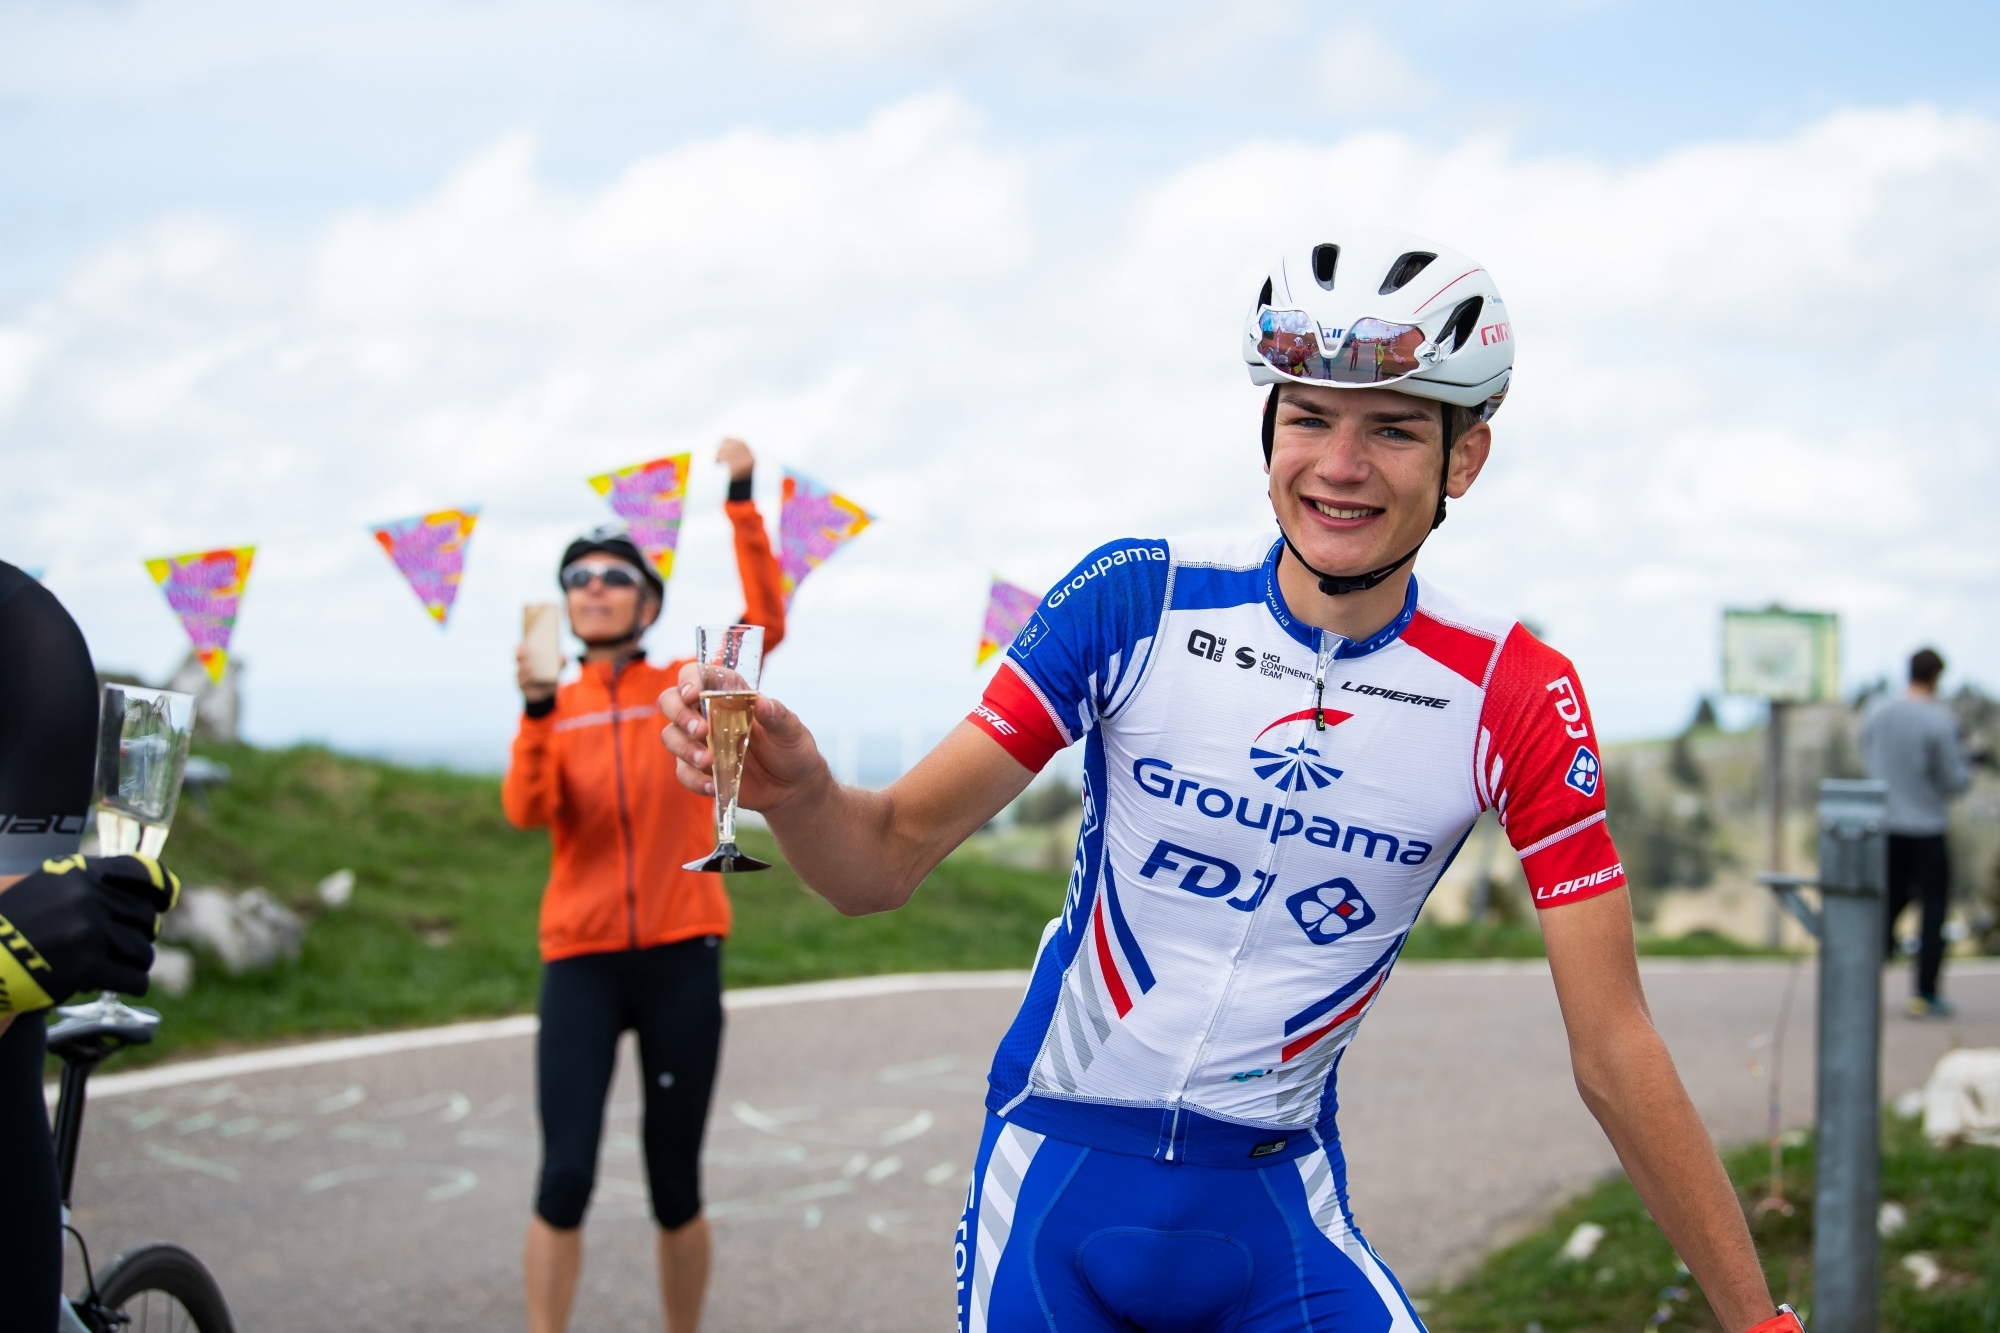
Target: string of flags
[{"x": 205, "y": 588}]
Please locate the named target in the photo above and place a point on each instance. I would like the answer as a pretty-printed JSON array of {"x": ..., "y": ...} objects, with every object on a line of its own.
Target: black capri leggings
[{"x": 672, "y": 997}]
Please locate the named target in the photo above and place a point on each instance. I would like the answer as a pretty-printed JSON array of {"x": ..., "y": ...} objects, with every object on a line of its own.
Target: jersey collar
[{"x": 1310, "y": 635}]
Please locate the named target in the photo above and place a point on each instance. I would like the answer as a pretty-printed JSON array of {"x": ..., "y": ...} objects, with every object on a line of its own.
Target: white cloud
[
  {"x": 1750, "y": 370},
  {"x": 869, "y": 29},
  {"x": 1359, "y": 72}
]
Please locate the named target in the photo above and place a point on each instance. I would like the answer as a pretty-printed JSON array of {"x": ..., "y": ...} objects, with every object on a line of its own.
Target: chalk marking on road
[
  {"x": 457, "y": 1180},
  {"x": 189, "y": 1162},
  {"x": 523, "y": 1025}
]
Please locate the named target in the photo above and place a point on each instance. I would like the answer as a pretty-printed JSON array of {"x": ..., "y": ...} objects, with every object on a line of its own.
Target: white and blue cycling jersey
[{"x": 1265, "y": 808}]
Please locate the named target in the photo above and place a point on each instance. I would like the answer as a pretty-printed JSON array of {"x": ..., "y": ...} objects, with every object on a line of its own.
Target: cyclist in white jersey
[{"x": 1286, "y": 741}]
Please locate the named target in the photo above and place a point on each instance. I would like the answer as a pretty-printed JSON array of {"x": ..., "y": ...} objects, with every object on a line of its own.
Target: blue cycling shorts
[{"x": 1078, "y": 1240}]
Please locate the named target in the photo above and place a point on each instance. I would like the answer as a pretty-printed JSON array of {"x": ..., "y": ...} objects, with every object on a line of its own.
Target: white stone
[
  {"x": 1582, "y": 1242},
  {"x": 172, "y": 972},
  {"x": 1923, "y": 1270},
  {"x": 247, "y": 932},
  {"x": 1962, "y": 1098},
  {"x": 337, "y": 888}
]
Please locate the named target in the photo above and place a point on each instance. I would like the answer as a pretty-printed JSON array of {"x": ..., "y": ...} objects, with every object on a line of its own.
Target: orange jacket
[{"x": 621, "y": 825}]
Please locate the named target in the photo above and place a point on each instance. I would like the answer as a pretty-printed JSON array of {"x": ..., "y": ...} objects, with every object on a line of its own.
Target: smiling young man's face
[{"x": 1354, "y": 472}]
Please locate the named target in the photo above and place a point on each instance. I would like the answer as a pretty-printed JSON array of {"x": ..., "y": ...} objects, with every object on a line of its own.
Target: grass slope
[
  {"x": 442, "y": 922},
  {"x": 1634, "y": 1280}
]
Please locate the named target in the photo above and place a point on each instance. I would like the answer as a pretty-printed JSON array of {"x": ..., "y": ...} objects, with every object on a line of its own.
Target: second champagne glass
[{"x": 731, "y": 658}]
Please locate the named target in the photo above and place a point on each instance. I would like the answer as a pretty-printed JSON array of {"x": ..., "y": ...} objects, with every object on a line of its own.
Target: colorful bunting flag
[
  {"x": 648, "y": 497},
  {"x": 813, "y": 522},
  {"x": 430, "y": 550},
  {"x": 1008, "y": 607},
  {"x": 204, "y": 589}
]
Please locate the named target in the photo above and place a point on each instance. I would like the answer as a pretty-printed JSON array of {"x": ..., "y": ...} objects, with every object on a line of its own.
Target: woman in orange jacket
[{"x": 629, "y": 939}]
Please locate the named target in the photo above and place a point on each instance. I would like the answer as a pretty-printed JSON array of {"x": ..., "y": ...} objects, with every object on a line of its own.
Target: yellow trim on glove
[
  {"x": 19, "y": 960},
  {"x": 163, "y": 878}
]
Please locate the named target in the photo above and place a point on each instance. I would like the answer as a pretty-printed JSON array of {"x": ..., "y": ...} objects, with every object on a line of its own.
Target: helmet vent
[
  {"x": 1264, "y": 297},
  {"x": 1406, "y": 267},
  {"x": 1463, "y": 319},
  {"x": 1325, "y": 259}
]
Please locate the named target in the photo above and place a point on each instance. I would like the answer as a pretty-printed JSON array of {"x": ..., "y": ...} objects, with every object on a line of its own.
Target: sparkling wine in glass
[
  {"x": 142, "y": 750},
  {"x": 731, "y": 658}
]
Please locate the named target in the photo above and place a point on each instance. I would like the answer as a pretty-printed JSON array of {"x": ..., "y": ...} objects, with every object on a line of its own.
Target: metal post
[
  {"x": 1853, "y": 867},
  {"x": 1774, "y": 838}
]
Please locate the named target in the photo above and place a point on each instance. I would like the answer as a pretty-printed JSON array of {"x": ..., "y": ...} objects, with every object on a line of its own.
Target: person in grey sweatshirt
[{"x": 1911, "y": 743}]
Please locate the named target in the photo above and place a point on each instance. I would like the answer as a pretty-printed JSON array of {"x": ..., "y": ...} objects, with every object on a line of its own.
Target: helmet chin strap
[{"x": 1339, "y": 585}]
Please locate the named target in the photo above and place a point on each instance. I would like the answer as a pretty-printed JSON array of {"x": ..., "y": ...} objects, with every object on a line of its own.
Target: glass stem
[{"x": 725, "y": 823}]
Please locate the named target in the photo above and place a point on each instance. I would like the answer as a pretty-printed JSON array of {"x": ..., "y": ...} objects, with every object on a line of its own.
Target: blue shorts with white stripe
[{"x": 1078, "y": 1240}]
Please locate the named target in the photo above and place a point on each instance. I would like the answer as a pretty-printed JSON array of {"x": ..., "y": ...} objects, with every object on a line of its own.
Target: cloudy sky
[{"x": 272, "y": 272}]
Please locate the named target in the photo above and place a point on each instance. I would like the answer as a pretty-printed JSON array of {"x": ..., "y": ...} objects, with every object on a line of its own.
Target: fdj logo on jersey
[
  {"x": 1583, "y": 771},
  {"x": 1330, "y": 911},
  {"x": 1296, "y": 766}
]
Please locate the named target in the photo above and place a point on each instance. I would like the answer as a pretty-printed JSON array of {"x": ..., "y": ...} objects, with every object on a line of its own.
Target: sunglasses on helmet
[
  {"x": 578, "y": 576},
  {"x": 1373, "y": 351}
]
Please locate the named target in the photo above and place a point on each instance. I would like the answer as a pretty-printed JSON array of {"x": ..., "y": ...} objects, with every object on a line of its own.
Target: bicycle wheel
[{"x": 163, "y": 1289}]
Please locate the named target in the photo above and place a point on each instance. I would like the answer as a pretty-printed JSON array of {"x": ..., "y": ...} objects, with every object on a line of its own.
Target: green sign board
[{"x": 1786, "y": 656}]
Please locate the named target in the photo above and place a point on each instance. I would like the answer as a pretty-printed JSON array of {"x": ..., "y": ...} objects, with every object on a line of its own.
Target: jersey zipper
[
  {"x": 1328, "y": 645},
  {"x": 624, "y": 813}
]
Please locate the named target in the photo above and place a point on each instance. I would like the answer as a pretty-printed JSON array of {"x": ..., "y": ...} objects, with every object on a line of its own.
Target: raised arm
[
  {"x": 863, "y": 851},
  {"x": 763, "y": 580}
]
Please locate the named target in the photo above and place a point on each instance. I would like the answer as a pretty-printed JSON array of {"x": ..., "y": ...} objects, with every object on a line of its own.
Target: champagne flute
[
  {"x": 142, "y": 750},
  {"x": 731, "y": 657}
]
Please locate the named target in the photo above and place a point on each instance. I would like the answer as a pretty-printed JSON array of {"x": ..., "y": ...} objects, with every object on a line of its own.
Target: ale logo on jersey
[
  {"x": 1330, "y": 911},
  {"x": 1295, "y": 767},
  {"x": 1583, "y": 771}
]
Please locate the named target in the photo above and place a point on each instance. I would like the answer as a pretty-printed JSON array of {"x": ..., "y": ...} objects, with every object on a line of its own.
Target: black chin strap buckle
[{"x": 1339, "y": 585}]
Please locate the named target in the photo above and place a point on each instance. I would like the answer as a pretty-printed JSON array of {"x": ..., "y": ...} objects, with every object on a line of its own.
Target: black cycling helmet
[{"x": 613, "y": 539}]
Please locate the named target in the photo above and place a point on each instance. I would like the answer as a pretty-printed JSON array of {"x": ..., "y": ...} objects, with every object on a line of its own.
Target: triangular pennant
[
  {"x": 813, "y": 522},
  {"x": 204, "y": 589},
  {"x": 1008, "y": 607},
  {"x": 648, "y": 496},
  {"x": 430, "y": 551}
]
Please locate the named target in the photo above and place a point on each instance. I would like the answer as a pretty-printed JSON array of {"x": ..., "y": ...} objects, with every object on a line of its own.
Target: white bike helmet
[{"x": 1377, "y": 308}]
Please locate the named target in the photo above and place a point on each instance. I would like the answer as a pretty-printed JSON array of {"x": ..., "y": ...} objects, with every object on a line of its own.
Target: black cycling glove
[{"x": 81, "y": 923}]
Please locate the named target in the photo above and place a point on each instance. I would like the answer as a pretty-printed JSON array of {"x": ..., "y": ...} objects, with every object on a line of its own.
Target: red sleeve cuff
[
  {"x": 1013, "y": 714},
  {"x": 1573, "y": 864}
]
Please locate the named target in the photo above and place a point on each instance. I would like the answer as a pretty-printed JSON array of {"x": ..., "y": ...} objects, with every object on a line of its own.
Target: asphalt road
[{"x": 390, "y": 1190}]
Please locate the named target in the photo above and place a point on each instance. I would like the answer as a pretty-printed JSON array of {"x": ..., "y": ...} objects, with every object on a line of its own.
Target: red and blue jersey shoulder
[
  {"x": 1083, "y": 652},
  {"x": 1538, "y": 763}
]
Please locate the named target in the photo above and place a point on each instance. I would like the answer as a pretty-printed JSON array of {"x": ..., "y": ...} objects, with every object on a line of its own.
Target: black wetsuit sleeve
[{"x": 48, "y": 725}]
